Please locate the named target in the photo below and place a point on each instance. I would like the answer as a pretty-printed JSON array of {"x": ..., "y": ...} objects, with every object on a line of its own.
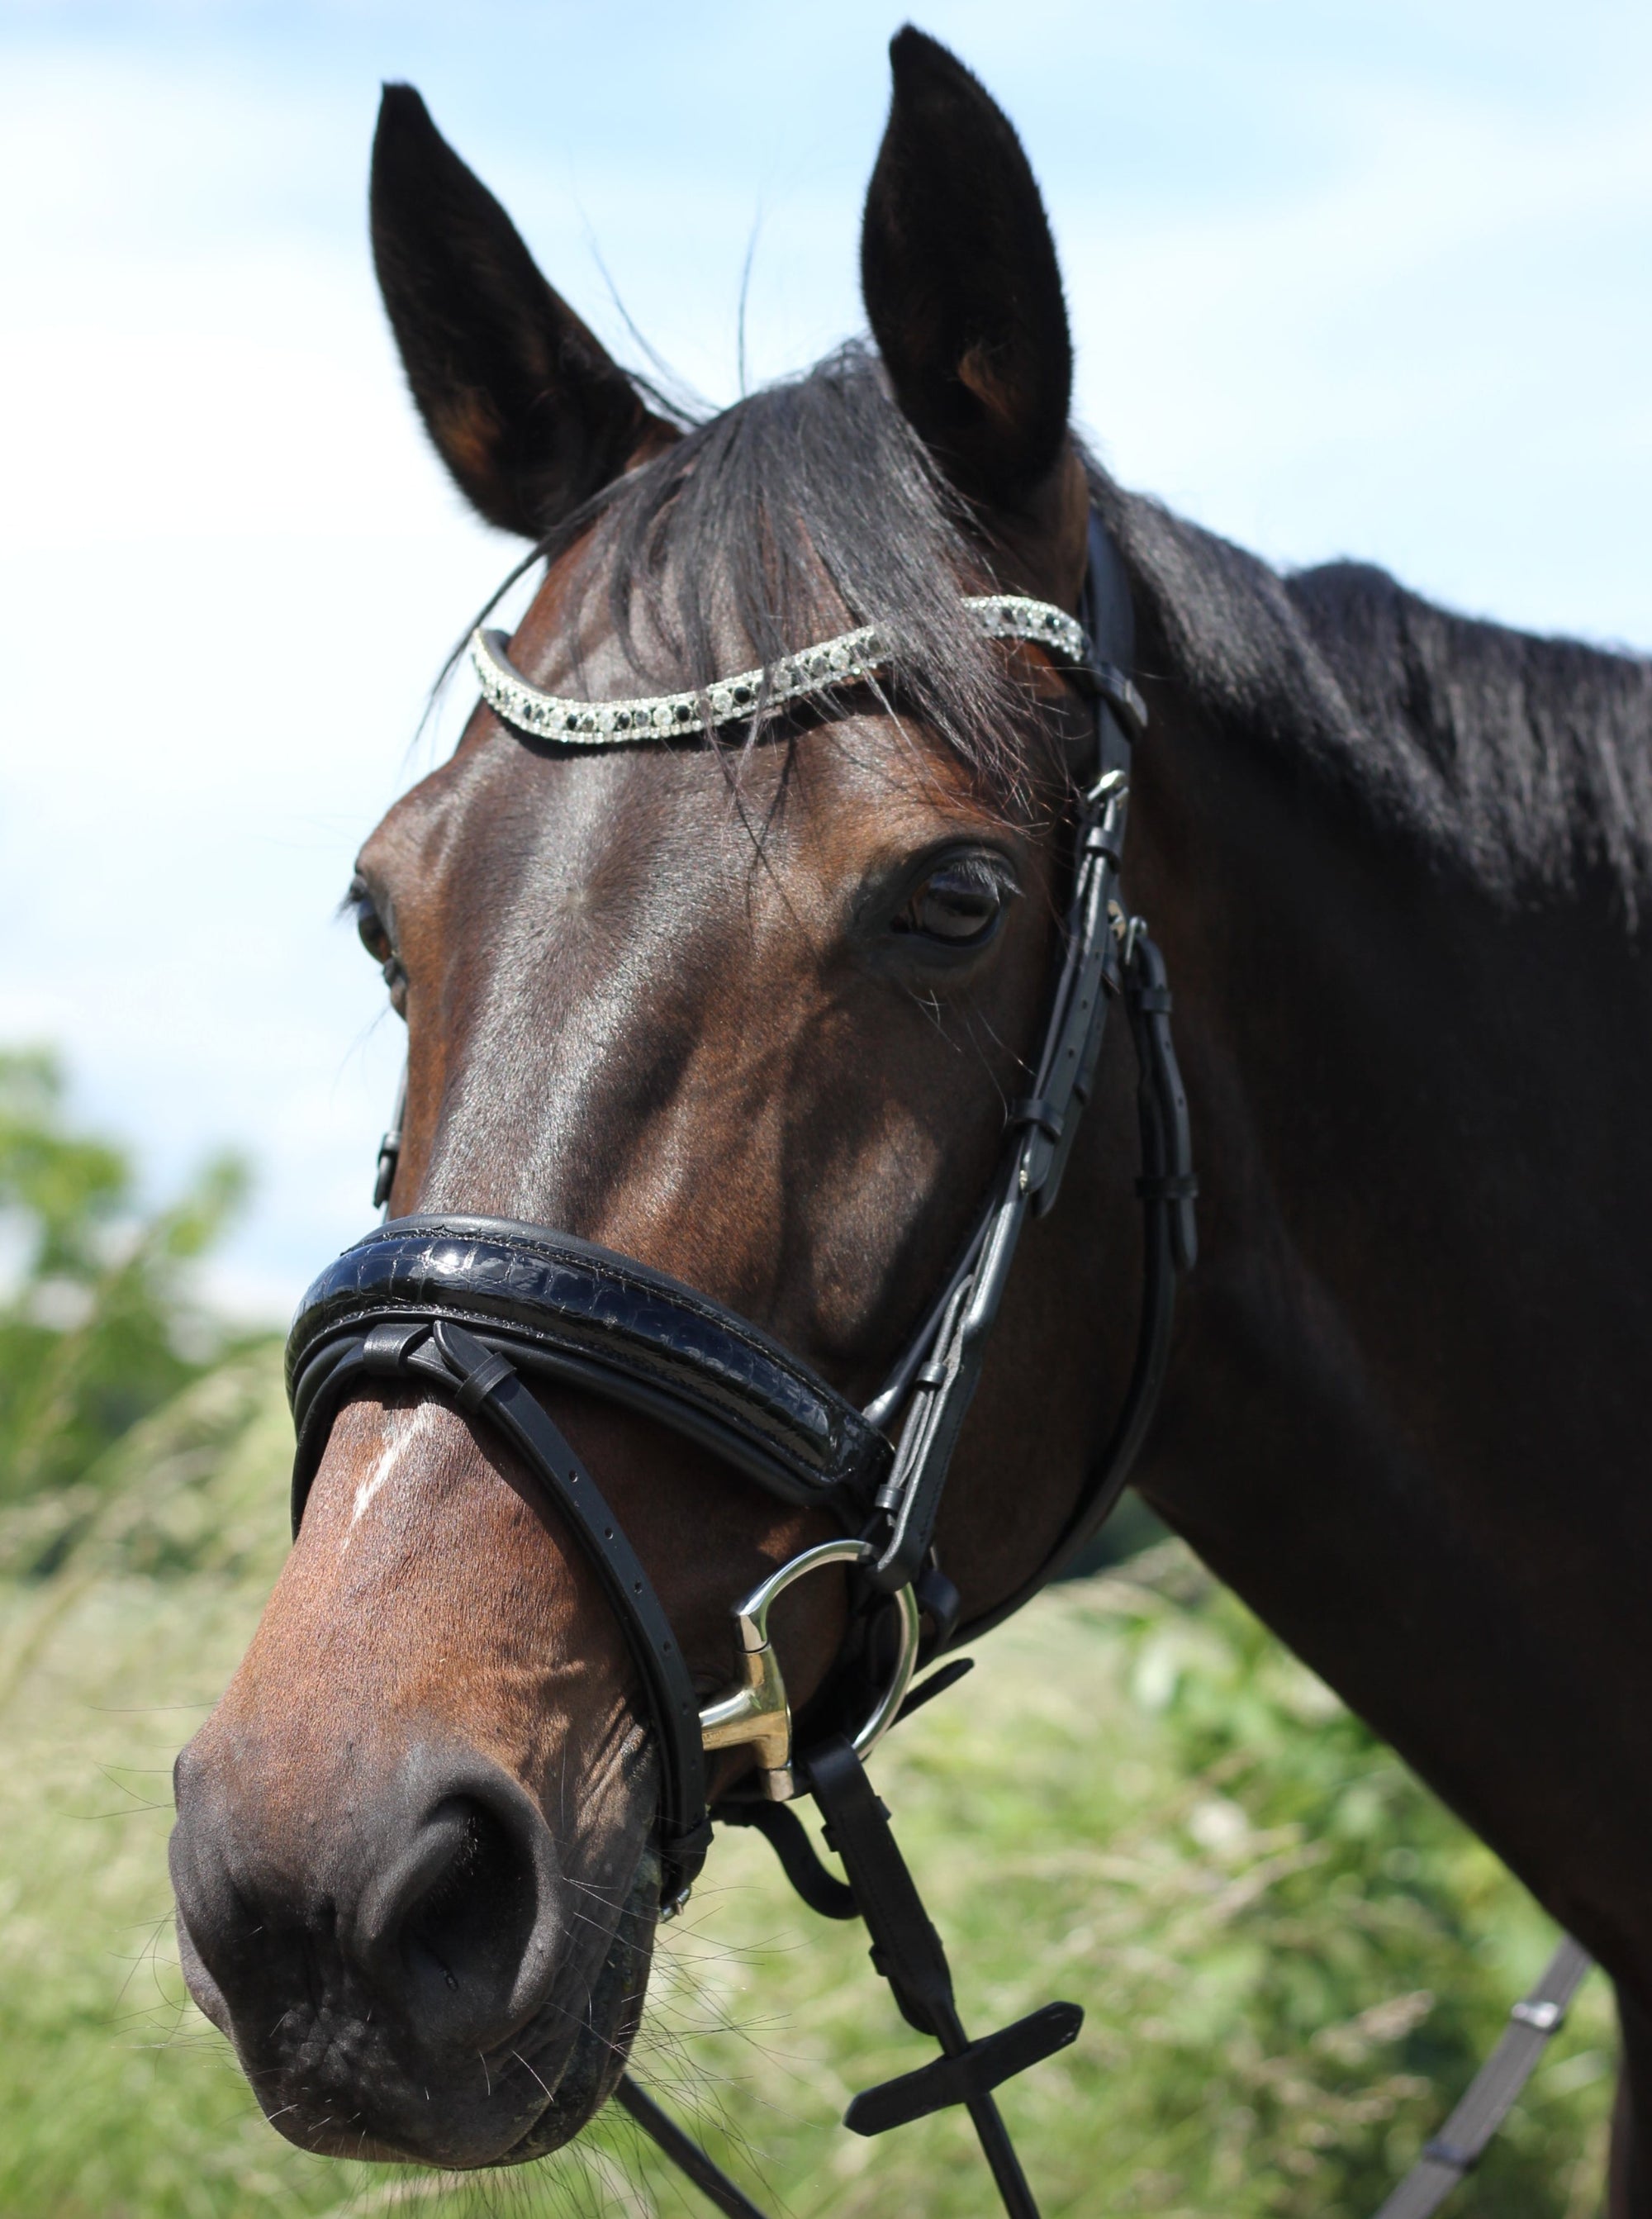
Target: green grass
[{"x": 1290, "y": 1959}]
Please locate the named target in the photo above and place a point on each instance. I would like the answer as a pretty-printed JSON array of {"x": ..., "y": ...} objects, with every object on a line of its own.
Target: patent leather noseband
[{"x": 568, "y": 1310}]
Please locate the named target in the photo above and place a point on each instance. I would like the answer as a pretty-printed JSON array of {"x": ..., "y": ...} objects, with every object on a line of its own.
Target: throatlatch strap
[
  {"x": 1460, "y": 2144},
  {"x": 907, "y": 1953}
]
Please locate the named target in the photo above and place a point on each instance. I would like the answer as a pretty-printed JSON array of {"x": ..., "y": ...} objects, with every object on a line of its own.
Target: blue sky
[{"x": 1369, "y": 279}]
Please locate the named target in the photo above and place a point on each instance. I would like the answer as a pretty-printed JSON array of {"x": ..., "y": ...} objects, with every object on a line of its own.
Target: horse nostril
[
  {"x": 467, "y": 1918},
  {"x": 474, "y": 1919},
  {"x": 393, "y": 1954}
]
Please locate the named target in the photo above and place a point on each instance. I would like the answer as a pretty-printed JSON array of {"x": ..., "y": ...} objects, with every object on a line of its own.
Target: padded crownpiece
[{"x": 568, "y": 1310}]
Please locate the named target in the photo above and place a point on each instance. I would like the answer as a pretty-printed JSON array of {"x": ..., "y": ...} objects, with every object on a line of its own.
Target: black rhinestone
[{"x": 742, "y": 693}]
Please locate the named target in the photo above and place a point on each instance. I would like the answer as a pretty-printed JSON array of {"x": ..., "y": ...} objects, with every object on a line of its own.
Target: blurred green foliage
[
  {"x": 1290, "y": 1957},
  {"x": 97, "y": 1327}
]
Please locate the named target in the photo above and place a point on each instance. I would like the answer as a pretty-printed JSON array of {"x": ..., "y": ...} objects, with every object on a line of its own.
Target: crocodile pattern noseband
[{"x": 568, "y": 1310}]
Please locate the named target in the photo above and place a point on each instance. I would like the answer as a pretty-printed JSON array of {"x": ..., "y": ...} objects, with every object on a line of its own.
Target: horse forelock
[{"x": 807, "y": 508}]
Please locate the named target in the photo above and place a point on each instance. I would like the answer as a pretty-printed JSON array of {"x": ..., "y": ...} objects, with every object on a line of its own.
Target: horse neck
[{"x": 1407, "y": 1414}]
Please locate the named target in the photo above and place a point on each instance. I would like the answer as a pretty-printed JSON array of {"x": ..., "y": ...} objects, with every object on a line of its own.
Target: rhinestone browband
[{"x": 837, "y": 662}]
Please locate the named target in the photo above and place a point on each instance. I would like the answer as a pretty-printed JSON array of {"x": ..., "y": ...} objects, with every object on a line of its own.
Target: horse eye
[
  {"x": 960, "y": 905},
  {"x": 371, "y": 932},
  {"x": 369, "y": 929}
]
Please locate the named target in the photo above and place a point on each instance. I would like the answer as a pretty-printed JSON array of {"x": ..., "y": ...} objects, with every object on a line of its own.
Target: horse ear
[
  {"x": 961, "y": 285},
  {"x": 523, "y": 405}
]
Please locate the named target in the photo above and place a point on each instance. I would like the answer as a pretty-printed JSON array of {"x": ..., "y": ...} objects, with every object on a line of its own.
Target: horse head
[{"x": 748, "y": 1008}]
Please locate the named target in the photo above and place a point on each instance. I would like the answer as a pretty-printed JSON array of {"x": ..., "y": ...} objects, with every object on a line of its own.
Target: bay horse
[{"x": 753, "y": 1012}]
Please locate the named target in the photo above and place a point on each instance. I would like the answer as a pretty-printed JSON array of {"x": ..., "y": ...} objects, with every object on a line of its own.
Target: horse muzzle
[{"x": 405, "y": 1967}]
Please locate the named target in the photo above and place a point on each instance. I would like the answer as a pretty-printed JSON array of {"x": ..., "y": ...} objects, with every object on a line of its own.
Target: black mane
[{"x": 1523, "y": 762}]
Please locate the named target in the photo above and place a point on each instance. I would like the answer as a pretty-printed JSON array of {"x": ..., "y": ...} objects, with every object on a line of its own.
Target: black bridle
[{"x": 478, "y": 1308}]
